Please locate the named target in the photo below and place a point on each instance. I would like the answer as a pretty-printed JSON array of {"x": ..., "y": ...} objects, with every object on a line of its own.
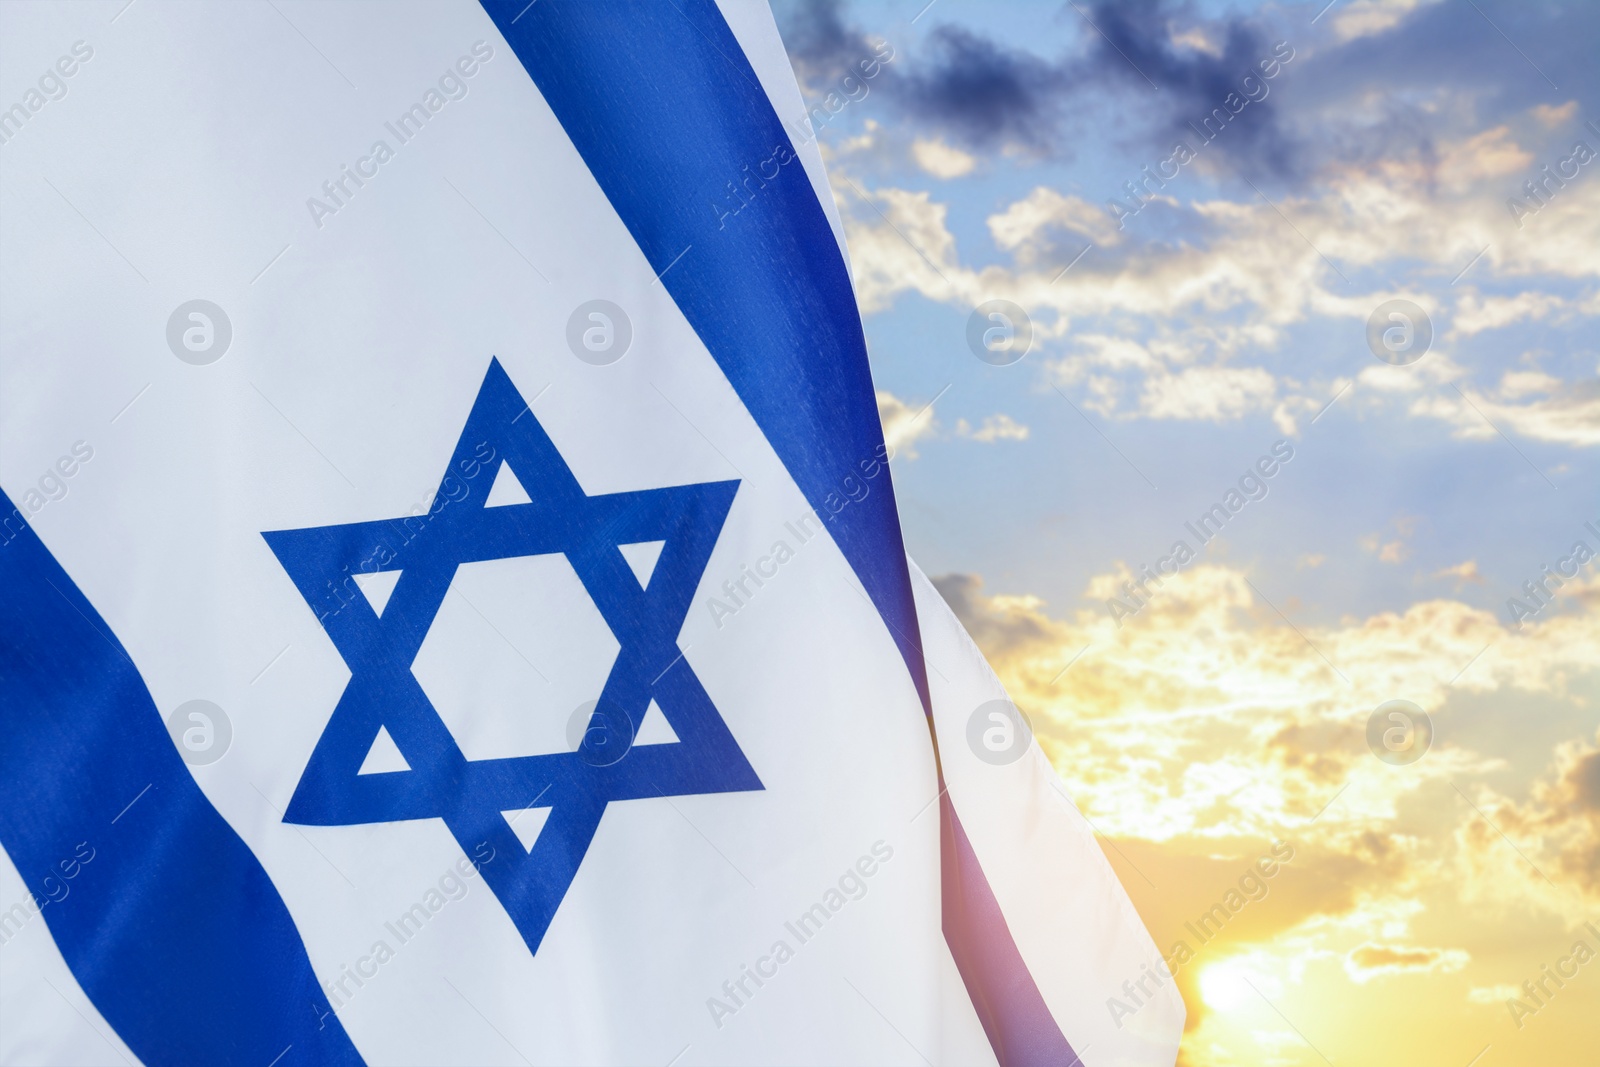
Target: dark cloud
[
  {"x": 1440, "y": 73},
  {"x": 1564, "y": 810},
  {"x": 1132, "y": 46},
  {"x": 996, "y": 632},
  {"x": 820, "y": 45},
  {"x": 961, "y": 593},
  {"x": 982, "y": 94},
  {"x": 988, "y": 96},
  {"x": 1576, "y": 792},
  {"x": 1323, "y": 750},
  {"x": 1370, "y": 957},
  {"x": 1453, "y": 51},
  {"x": 1584, "y": 781}
]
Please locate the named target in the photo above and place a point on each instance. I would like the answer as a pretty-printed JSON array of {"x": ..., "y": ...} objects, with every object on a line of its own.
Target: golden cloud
[{"x": 1369, "y": 961}]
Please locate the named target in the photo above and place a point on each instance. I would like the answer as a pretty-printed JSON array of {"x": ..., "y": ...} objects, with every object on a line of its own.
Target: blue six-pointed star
[{"x": 471, "y": 795}]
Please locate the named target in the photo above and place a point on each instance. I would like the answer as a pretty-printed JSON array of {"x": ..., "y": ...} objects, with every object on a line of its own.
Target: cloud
[
  {"x": 941, "y": 160},
  {"x": 1370, "y": 961},
  {"x": 904, "y": 425},
  {"x": 908, "y": 246},
  {"x": 982, "y": 94},
  {"x": 1556, "y": 830},
  {"x": 1131, "y": 45},
  {"x": 1402, "y": 80},
  {"x": 994, "y": 428},
  {"x": 1364, "y": 18},
  {"x": 1394, "y": 551},
  {"x": 988, "y": 96},
  {"x": 1552, "y": 117},
  {"x": 1007, "y": 623},
  {"x": 1209, "y": 725},
  {"x": 1429, "y": 54},
  {"x": 1532, "y": 405},
  {"x": 1474, "y": 315},
  {"x": 1213, "y": 393},
  {"x": 821, "y": 46},
  {"x": 1025, "y": 227},
  {"x": 1435, "y": 369},
  {"x": 1162, "y": 326},
  {"x": 1151, "y": 722},
  {"x": 1250, "y": 260},
  {"x": 1494, "y": 994},
  {"x": 1463, "y": 572}
]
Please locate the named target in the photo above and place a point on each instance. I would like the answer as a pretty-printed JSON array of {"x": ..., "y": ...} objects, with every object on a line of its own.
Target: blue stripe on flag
[
  {"x": 665, "y": 109},
  {"x": 670, "y": 119},
  {"x": 1009, "y": 1004},
  {"x": 172, "y": 927}
]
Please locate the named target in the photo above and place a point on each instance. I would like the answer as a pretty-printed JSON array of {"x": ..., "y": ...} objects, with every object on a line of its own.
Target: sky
[{"x": 1205, "y": 213}]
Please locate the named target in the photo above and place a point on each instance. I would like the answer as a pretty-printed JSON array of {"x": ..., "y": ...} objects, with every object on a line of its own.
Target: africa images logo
[{"x": 384, "y": 704}]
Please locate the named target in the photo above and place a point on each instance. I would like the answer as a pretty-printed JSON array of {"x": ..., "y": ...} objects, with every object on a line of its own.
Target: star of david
[{"x": 379, "y": 646}]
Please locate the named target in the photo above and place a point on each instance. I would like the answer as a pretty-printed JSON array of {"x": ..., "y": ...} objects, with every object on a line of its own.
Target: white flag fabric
[{"x": 452, "y": 604}]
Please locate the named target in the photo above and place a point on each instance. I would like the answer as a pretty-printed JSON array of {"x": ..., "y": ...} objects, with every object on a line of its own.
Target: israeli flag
[{"x": 452, "y": 604}]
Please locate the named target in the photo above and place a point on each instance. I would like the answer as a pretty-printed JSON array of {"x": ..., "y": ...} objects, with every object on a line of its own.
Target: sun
[{"x": 1224, "y": 985}]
